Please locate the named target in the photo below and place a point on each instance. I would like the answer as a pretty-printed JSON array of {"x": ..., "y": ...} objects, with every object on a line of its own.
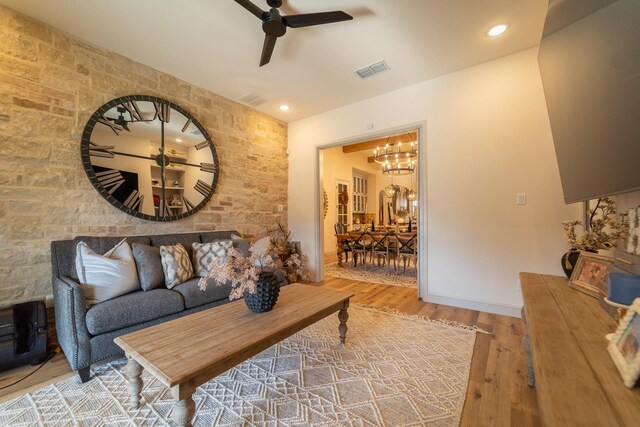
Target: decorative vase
[
  {"x": 266, "y": 295},
  {"x": 569, "y": 261}
]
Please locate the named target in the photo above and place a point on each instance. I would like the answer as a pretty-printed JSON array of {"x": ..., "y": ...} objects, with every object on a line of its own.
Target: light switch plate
[{"x": 522, "y": 199}]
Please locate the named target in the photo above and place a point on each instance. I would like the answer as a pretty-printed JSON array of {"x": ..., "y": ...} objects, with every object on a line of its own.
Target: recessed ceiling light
[
  {"x": 497, "y": 30},
  {"x": 178, "y": 140},
  {"x": 285, "y": 107}
]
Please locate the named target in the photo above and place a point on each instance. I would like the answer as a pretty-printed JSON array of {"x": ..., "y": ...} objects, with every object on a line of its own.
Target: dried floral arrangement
[
  {"x": 293, "y": 262},
  {"x": 241, "y": 271},
  {"x": 281, "y": 241},
  {"x": 605, "y": 231}
]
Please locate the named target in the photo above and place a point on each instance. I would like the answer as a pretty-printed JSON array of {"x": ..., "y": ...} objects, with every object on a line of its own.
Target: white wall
[
  {"x": 339, "y": 165},
  {"x": 488, "y": 138}
]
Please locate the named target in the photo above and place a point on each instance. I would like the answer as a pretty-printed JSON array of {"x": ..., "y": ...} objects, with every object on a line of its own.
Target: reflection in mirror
[{"x": 150, "y": 158}]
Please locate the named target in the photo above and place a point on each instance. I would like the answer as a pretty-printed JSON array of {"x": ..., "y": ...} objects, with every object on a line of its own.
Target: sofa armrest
[{"x": 70, "y": 309}]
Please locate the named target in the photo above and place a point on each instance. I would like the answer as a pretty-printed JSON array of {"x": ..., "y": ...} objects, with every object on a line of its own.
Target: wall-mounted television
[{"x": 589, "y": 61}]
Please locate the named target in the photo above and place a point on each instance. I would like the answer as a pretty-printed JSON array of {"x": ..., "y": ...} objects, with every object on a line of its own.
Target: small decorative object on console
[
  {"x": 604, "y": 232},
  {"x": 589, "y": 275},
  {"x": 624, "y": 347},
  {"x": 624, "y": 288}
]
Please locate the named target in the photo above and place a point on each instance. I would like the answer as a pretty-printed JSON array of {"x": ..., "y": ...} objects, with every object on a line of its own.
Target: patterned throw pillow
[
  {"x": 175, "y": 264},
  {"x": 205, "y": 253}
]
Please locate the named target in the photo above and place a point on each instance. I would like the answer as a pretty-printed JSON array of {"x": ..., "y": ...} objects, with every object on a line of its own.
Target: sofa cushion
[
  {"x": 150, "y": 270},
  {"x": 131, "y": 309},
  {"x": 194, "y": 296},
  {"x": 106, "y": 276}
]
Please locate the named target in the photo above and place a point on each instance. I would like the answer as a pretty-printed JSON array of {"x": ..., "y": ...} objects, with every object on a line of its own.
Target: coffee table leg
[
  {"x": 183, "y": 412},
  {"x": 134, "y": 370},
  {"x": 343, "y": 316}
]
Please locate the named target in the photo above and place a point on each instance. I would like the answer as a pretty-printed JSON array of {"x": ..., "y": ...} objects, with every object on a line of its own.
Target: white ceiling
[{"x": 216, "y": 44}]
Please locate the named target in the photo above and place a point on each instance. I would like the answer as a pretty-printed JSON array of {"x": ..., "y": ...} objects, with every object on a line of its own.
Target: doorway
[{"x": 374, "y": 186}]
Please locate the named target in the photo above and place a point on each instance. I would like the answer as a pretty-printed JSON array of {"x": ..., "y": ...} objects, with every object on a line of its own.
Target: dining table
[{"x": 342, "y": 237}]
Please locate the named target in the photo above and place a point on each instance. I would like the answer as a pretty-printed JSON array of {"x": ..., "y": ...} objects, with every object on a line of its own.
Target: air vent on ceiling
[
  {"x": 372, "y": 69},
  {"x": 197, "y": 132},
  {"x": 252, "y": 99}
]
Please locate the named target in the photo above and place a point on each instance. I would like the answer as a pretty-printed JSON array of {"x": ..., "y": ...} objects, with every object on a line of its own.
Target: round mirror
[{"x": 149, "y": 158}]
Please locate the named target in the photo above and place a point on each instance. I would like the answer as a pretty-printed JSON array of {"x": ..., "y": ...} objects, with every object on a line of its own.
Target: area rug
[
  {"x": 394, "y": 370},
  {"x": 374, "y": 274}
]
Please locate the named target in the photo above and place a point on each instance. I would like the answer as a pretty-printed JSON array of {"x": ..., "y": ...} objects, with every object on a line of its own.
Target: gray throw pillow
[
  {"x": 150, "y": 270},
  {"x": 242, "y": 245},
  {"x": 176, "y": 265}
]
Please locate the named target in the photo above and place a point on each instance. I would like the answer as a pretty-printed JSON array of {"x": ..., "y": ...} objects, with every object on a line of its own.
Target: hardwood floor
[{"x": 497, "y": 395}]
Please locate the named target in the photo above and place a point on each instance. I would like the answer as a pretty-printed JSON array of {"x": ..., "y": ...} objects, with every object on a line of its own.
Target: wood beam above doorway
[{"x": 380, "y": 142}]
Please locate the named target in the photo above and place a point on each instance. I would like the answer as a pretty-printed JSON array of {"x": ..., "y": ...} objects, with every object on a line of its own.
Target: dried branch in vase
[
  {"x": 294, "y": 263},
  {"x": 605, "y": 230}
]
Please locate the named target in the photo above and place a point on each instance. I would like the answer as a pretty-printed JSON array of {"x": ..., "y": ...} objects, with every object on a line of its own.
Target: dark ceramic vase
[
  {"x": 267, "y": 291},
  {"x": 569, "y": 261}
]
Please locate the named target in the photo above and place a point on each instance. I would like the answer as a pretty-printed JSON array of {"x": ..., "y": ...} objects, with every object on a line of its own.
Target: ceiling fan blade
[
  {"x": 309, "y": 19},
  {"x": 267, "y": 49},
  {"x": 259, "y": 13}
]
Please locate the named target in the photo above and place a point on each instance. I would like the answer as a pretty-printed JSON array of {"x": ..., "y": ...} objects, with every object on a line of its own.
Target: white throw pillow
[
  {"x": 205, "y": 253},
  {"x": 176, "y": 265},
  {"x": 106, "y": 276},
  {"x": 260, "y": 247}
]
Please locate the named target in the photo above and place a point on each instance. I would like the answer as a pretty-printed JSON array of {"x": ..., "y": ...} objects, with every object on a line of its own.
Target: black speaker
[{"x": 23, "y": 334}]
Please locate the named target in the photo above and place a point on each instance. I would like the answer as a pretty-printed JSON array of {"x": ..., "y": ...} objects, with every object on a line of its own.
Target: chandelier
[{"x": 395, "y": 160}]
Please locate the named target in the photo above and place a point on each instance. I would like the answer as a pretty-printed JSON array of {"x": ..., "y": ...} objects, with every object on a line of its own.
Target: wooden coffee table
[{"x": 187, "y": 352}]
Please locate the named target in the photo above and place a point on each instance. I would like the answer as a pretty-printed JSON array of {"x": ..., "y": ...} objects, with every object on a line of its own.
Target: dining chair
[
  {"x": 380, "y": 246},
  {"x": 407, "y": 249},
  {"x": 340, "y": 228},
  {"x": 360, "y": 244},
  {"x": 343, "y": 243}
]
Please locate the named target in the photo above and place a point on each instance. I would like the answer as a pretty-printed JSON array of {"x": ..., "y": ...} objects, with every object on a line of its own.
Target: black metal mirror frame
[{"x": 88, "y": 167}]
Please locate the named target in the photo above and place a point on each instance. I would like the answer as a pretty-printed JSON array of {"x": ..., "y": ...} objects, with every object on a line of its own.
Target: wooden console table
[{"x": 575, "y": 379}]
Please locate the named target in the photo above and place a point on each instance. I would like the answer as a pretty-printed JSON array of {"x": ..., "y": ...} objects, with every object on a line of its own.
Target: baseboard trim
[{"x": 505, "y": 310}]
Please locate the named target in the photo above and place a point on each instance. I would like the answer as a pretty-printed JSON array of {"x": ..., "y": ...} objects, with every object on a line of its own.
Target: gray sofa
[{"x": 86, "y": 334}]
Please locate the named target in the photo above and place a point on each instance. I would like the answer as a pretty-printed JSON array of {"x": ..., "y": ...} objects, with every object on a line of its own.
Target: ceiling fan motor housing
[
  {"x": 273, "y": 25},
  {"x": 274, "y": 3}
]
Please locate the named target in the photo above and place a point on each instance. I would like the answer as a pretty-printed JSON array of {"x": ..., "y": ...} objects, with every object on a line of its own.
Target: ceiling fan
[
  {"x": 275, "y": 25},
  {"x": 120, "y": 120}
]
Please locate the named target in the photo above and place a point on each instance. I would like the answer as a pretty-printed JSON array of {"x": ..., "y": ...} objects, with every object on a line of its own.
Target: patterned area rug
[
  {"x": 394, "y": 371},
  {"x": 374, "y": 274}
]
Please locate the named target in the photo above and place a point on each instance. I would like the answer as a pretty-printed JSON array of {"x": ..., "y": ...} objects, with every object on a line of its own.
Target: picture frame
[
  {"x": 590, "y": 274},
  {"x": 624, "y": 346}
]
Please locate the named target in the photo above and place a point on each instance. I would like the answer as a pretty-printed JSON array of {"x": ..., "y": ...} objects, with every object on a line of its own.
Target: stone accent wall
[{"x": 50, "y": 84}]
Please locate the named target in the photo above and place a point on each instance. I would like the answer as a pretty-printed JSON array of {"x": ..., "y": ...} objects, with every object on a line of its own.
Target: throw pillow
[
  {"x": 242, "y": 245},
  {"x": 106, "y": 276},
  {"x": 261, "y": 246},
  {"x": 150, "y": 272},
  {"x": 175, "y": 264},
  {"x": 205, "y": 253}
]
